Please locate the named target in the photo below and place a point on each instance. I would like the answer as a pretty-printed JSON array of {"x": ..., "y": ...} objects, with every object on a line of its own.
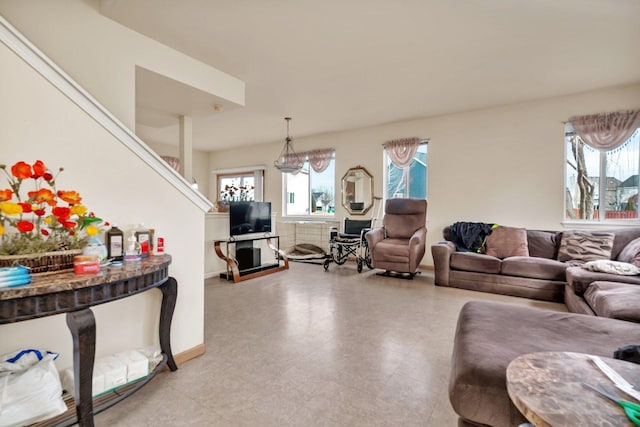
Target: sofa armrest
[{"x": 441, "y": 253}]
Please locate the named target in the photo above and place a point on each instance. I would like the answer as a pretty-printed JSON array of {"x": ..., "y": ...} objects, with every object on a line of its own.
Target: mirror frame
[{"x": 368, "y": 203}]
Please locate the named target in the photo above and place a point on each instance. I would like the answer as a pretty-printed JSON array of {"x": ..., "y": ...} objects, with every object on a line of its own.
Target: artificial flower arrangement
[
  {"x": 45, "y": 219},
  {"x": 237, "y": 193}
]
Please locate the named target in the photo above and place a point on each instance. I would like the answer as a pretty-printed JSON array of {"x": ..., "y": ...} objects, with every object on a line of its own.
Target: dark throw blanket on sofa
[{"x": 469, "y": 236}]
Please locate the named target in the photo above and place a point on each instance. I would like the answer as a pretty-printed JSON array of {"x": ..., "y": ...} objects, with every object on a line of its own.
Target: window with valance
[
  {"x": 602, "y": 153},
  {"x": 406, "y": 168},
  {"x": 311, "y": 189}
]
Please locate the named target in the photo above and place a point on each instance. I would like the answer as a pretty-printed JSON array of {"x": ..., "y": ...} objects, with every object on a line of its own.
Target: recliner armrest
[
  {"x": 375, "y": 235},
  {"x": 418, "y": 238},
  {"x": 441, "y": 253}
]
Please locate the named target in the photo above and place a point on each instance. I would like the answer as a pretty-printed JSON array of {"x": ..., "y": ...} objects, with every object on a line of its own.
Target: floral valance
[
  {"x": 402, "y": 151},
  {"x": 318, "y": 159},
  {"x": 174, "y": 162},
  {"x": 606, "y": 131}
]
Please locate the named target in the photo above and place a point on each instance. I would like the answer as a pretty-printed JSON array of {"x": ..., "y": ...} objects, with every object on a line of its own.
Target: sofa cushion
[
  {"x": 543, "y": 244},
  {"x": 480, "y": 263},
  {"x": 490, "y": 335},
  {"x": 505, "y": 242},
  {"x": 535, "y": 268},
  {"x": 612, "y": 267},
  {"x": 631, "y": 252},
  {"x": 393, "y": 250},
  {"x": 579, "y": 279},
  {"x": 614, "y": 300},
  {"x": 585, "y": 245}
]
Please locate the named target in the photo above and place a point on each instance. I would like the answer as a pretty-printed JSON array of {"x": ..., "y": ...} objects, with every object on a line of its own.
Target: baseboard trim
[
  {"x": 189, "y": 354},
  {"x": 427, "y": 267}
]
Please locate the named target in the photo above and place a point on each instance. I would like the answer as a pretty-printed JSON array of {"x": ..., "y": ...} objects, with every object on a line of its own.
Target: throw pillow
[
  {"x": 631, "y": 251},
  {"x": 543, "y": 244},
  {"x": 504, "y": 242},
  {"x": 585, "y": 245},
  {"x": 612, "y": 267}
]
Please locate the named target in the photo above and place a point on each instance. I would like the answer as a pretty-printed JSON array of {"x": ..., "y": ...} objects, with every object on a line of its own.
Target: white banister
[{"x": 22, "y": 47}]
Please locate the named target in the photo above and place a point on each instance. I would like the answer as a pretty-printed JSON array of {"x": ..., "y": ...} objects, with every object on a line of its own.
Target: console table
[
  {"x": 238, "y": 275},
  {"x": 75, "y": 295}
]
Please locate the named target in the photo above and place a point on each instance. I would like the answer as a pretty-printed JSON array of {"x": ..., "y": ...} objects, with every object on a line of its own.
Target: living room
[{"x": 501, "y": 161}]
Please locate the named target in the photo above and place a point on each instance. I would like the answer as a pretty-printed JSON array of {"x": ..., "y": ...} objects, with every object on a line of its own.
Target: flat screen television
[{"x": 249, "y": 217}]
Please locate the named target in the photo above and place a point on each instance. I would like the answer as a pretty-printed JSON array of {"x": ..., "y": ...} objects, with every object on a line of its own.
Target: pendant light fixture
[{"x": 288, "y": 161}]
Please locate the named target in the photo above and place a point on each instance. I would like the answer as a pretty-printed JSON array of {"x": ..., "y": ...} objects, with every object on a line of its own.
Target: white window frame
[
  {"x": 319, "y": 217},
  {"x": 385, "y": 179},
  {"x": 258, "y": 178},
  {"x": 602, "y": 183}
]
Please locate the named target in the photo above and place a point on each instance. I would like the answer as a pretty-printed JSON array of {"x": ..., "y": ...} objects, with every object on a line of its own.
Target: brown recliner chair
[{"x": 399, "y": 245}]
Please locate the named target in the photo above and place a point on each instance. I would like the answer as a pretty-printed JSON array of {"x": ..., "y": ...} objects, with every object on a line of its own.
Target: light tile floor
[{"x": 306, "y": 347}]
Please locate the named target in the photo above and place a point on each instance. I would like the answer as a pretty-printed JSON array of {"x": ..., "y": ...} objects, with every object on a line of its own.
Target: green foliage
[{"x": 28, "y": 243}]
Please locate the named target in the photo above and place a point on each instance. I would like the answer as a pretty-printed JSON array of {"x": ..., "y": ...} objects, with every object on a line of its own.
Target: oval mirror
[{"x": 357, "y": 191}]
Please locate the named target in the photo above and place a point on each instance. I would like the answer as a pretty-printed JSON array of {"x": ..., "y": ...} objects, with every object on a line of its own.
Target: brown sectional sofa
[
  {"x": 538, "y": 276},
  {"x": 490, "y": 335}
]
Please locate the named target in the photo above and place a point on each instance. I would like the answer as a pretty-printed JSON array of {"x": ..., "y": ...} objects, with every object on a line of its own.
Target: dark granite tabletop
[{"x": 43, "y": 284}]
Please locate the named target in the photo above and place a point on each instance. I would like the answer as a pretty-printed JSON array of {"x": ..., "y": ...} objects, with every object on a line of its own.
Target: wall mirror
[{"x": 357, "y": 191}]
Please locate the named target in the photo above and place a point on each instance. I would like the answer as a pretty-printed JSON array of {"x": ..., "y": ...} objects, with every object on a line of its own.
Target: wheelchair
[{"x": 351, "y": 242}]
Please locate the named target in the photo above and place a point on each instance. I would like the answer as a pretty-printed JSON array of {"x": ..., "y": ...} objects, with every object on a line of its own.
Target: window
[
  {"x": 237, "y": 186},
  {"x": 601, "y": 184},
  {"x": 309, "y": 192},
  {"x": 410, "y": 181}
]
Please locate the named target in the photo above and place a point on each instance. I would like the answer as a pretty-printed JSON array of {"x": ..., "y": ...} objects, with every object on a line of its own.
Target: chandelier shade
[{"x": 288, "y": 161}]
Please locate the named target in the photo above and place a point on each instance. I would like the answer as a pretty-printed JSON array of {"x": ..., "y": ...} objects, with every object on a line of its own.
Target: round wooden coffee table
[{"x": 547, "y": 388}]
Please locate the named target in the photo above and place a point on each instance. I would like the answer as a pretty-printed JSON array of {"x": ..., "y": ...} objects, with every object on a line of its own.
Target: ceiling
[{"x": 335, "y": 65}]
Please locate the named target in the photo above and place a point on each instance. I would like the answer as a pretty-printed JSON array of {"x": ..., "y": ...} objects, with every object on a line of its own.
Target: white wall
[
  {"x": 38, "y": 122},
  {"x": 101, "y": 54},
  {"x": 502, "y": 164}
]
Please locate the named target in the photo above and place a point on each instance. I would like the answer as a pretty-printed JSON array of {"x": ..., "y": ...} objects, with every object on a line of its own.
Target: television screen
[{"x": 249, "y": 217}]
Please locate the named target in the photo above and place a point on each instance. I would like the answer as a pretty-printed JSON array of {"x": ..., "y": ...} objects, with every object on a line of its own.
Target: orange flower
[
  {"x": 39, "y": 169},
  {"x": 21, "y": 170},
  {"x": 26, "y": 207},
  {"x": 61, "y": 213},
  {"x": 5, "y": 195},
  {"x": 24, "y": 226},
  {"x": 71, "y": 197},
  {"x": 43, "y": 219},
  {"x": 43, "y": 195}
]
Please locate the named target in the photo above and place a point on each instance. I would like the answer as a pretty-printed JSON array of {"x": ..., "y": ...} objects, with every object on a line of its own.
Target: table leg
[
  {"x": 169, "y": 295},
  {"x": 82, "y": 325}
]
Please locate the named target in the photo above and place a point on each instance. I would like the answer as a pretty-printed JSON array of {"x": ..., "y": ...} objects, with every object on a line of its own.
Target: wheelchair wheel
[
  {"x": 326, "y": 263},
  {"x": 337, "y": 255},
  {"x": 359, "y": 265}
]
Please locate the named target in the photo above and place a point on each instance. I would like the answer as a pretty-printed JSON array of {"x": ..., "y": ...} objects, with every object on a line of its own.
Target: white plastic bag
[{"x": 30, "y": 389}]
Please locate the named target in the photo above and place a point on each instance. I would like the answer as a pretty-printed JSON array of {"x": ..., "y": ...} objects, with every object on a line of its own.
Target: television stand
[{"x": 251, "y": 267}]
